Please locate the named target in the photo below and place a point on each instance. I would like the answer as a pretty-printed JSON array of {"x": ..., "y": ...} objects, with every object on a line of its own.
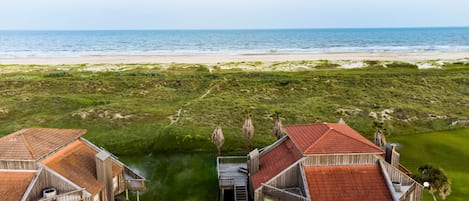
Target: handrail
[
  {"x": 220, "y": 161},
  {"x": 409, "y": 191}
]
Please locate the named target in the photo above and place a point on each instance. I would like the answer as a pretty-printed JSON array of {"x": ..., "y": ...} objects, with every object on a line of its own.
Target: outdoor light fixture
[{"x": 426, "y": 184}]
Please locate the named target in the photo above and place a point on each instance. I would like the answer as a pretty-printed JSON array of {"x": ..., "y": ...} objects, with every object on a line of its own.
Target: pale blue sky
[{"x": 230, "y": 14}]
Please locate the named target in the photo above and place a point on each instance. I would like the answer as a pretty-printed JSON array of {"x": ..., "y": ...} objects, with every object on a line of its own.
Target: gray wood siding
[
  {"x": 340, "y": 159},
  {"x": 18, "y": 165},
  {"x": 287, "y": 179},
  {"x": 47, "y": 179}
]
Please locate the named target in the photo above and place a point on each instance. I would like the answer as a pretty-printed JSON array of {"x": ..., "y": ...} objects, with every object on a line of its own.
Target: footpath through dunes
[{"x": 445, "y": 149}]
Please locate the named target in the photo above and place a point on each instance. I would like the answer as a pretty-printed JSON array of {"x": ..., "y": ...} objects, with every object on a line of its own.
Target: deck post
[
  {"x": 222, "y": 195},
  {"x": 126, "y": 194}
]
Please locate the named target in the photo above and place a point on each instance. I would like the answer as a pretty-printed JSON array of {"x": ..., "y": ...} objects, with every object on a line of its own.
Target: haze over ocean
[{"x": 19, "y": 44}]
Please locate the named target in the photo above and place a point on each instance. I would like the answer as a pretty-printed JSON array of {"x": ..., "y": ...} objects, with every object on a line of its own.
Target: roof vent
[{"x": 49, "y": 193}]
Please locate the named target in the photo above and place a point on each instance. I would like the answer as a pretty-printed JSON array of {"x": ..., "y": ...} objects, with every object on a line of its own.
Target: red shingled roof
[
  {"x": 14, "y": 184},
  {"x": 329, "y": 139},
  {"x": 77, "y": 163},
  {"x": 347, "y": 183},
  {"x": 33, "y": 143},
  {"x": 274, "y": 161}
]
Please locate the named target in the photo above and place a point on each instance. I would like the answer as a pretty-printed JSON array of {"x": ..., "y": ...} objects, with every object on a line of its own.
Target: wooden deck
[
  {"x": 133, "y": 181},
  {"x": 232, "y": 175},
  {"x": 230, "y": 171}
]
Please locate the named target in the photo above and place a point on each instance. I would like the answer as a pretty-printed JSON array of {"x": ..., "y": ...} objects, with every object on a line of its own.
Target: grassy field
[
  {"x": 446, "y": 149},
  {"x": 144, "y": 108}
]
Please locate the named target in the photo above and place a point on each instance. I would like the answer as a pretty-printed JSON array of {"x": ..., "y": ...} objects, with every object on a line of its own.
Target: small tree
[
  {"x": 248, "y": 129},
  {"x": 437, "y": 179},
  {"x": 278, "y": 127},
  {"x": 218, "y": 139},
  {"x": 380, "y": 139}
]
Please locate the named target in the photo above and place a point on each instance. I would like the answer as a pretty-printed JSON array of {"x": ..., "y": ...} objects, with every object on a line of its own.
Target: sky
[{"x": 229, "y": 14}]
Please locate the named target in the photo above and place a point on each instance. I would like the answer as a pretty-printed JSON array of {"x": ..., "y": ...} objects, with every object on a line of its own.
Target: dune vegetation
[{"x": 144, "y": 108}]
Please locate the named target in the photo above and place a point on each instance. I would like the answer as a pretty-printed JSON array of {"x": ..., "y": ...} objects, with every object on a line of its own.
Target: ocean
[{"x": 20, "y": 44}]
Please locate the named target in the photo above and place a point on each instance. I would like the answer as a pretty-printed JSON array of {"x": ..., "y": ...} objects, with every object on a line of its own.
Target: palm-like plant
[
  {"x": 218, "y": 139},
  {"x": 437, "y": 179},
  {"x": 380, "y": 139},
  {"x": 278, "y": 127},
  {"x": 248, "y": 129}
]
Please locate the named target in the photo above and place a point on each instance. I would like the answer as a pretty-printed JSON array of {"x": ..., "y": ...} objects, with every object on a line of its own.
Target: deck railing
[
  {"x": 135, "y": 184},
  {"x": 78, "y": 195},
  {"x": 282, "y": 194},
  {"x": 229, "y": 160},
  {"x": 229, "y": 179}
]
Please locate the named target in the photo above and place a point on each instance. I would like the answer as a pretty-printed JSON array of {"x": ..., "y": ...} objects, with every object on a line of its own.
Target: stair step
[{"x": 241, "y": 193}]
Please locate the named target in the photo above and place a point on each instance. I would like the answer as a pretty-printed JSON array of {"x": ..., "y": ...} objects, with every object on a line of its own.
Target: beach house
[
  {"x": 318, "y": 162},
  {"x": 49, "y": 164}
]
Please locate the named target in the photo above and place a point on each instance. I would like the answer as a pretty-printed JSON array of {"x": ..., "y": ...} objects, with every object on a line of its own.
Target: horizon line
[{"x": 241, "y": 29}]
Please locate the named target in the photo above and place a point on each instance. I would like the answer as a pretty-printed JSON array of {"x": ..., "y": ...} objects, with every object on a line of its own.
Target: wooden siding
[
  {"x": 340, "y": 159},
  {"x": 290, "y": 178},
  {"x": 47, "y": 179},
  {"x": 282, "y": 194},
  {"x": 287, "y": 179},
  {"x": 18, "y": 165}
]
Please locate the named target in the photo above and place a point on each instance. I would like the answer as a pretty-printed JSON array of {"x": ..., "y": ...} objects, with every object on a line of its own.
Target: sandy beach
[{"x": 212, "y": 59}]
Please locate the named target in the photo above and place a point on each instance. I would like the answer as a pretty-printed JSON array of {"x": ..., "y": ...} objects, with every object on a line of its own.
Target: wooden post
[
  {"x": 222, "y": 194},
  {"x": 138, "y": 196},
  {"x": 126, "y": 194}
]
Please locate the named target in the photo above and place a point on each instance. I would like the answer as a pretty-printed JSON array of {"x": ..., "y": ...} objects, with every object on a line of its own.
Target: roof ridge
[
  {"x": 319, "y": 139},
  {"x": 27, "y": 145},
  {"x": 343, "y": 134}
]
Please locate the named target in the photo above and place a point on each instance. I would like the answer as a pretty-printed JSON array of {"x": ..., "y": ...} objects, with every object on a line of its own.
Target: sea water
[{"x": 17, "y": 44}]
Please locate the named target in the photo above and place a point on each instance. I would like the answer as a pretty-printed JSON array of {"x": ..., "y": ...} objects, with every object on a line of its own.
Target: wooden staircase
[{"x": 241, "y": 193}]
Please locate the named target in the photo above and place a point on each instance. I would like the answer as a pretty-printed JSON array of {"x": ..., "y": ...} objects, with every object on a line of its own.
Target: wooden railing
[
  {"x": 228, "y": 160},
  {"x": 226, "y": 182},
  {"x": 135, "y": 184},
  {"x": 396, "y": 175},
  {"x": 282, "y": 194},
  {"x": 78, "y": 195}
]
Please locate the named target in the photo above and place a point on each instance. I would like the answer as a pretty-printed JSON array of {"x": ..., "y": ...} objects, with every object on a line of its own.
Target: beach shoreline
[{"x": 213, "y": 59}]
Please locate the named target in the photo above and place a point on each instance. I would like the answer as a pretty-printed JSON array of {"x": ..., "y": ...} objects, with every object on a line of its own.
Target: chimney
[
  {"x": 104, "y": 174},
  {"x": 341, "y": 121},
  {"x": 253, "y": 161},
  {"x": 392, "y": 156}
]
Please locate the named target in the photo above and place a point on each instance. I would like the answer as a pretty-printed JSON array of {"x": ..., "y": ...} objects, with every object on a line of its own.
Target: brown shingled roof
[
  {"x": 329, "y": 139},
  {"x": 77, "y": 163},
  {"x": 33, "y": 143},
  {"x": 275, "y": 161},
  {"x": 347, "y": 183},
  {"x": 13, "y": 184}
]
